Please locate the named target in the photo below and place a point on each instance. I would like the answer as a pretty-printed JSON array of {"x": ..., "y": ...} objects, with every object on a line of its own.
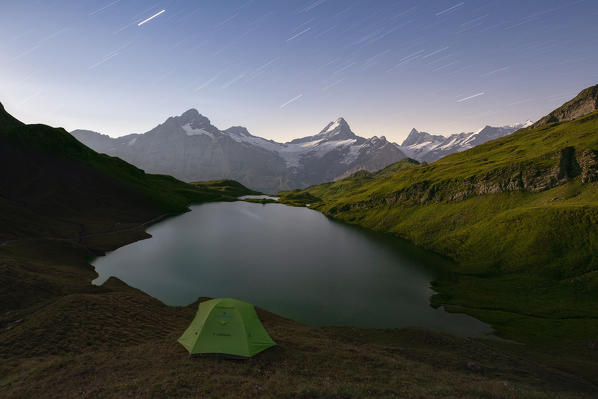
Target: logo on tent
[{"x": 224, "y": 315}]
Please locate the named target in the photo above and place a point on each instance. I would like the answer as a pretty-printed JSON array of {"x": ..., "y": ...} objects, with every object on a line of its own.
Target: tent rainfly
[{"x": 226, "y": 326}]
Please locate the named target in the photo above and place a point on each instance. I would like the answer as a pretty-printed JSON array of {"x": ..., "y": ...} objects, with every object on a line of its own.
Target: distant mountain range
[
  {"x": 190, "y": 148},
  {"x": 426, "y": 147}
]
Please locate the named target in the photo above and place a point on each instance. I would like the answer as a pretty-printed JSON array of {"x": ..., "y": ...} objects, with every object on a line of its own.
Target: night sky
[{"x": 285, "y": 68}]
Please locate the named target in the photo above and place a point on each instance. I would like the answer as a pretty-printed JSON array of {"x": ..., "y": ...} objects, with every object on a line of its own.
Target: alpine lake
[{"x": 291, "y": 261}]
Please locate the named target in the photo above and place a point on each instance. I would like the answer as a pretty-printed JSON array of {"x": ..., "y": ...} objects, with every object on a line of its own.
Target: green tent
[{"x": 226, "y": 326}]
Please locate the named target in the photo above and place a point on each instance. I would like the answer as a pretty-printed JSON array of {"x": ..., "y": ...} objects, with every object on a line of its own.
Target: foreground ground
[{"x": 79, "y": 340}]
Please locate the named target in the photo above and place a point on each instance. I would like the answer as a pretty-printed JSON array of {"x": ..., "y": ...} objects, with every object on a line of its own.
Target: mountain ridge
[
  {"x": 427, "y": 147},
  {"x": 190, "y": 148}
]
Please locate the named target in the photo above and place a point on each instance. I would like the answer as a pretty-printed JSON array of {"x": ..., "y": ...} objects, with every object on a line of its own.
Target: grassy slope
[{"x": 525, "y": 260}]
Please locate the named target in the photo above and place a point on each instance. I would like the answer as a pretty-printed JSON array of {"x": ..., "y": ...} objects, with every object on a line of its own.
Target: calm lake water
[{"x": 291, "y": 261}]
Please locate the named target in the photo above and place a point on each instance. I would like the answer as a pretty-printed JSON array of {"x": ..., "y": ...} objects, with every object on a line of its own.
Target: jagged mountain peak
[
  {"x": 417, "y": 137},
  {"x": 190, "y": 122},
  {"x": 411, "y": 137},
  {"x": 376, "y": 139},
  {"x": 338, "y": 124},
  {"x": 238, "y": 131},
  {"x": 337, "y": 130},
  {"x": 194, "y": 117},
  {"x": 191, "y": 113},
  {"x": 333, "y": 131}
]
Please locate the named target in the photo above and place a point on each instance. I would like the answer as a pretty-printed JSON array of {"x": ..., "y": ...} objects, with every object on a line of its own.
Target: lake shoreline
[{"x": 195, "y": 245}]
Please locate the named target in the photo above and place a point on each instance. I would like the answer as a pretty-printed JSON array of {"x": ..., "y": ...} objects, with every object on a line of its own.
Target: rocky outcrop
[
  {"x": 584, "y": 103},
  {"x": 588, "y": 162}
]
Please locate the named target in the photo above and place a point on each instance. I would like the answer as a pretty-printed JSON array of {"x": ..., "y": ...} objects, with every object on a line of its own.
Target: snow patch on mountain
[
  {"x": 190, "y": 131},
  {"x": 324, "y": 148},
  {"x": 292, "y": 153},
  {"x": 331, "y": 138},
  {"x": 257, "y": 141},
  {"x": 333, "y": 125},
  {"x": 353, "y": 154}
]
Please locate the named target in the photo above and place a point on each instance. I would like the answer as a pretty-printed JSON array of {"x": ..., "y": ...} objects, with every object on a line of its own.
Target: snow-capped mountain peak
[
  {"x": 419, "y": 140},
  {"x": 339, "y": 124},
  {"x": 481, "y": 129},
  {"x": 334, "y": 131},
  {"x": 191, "y": 114},
  {"x": 239, "y": 131},
  {"x": 190, "y": 122},
  {"x": 193, "y": 117},
  {"x": 337, "y": 130}
]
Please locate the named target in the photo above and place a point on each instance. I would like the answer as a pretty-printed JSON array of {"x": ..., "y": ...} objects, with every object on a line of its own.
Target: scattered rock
[{"x": 474, "y": 367}]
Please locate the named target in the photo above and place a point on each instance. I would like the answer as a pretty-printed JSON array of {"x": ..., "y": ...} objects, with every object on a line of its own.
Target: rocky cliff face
[
  {"x": 588, "y": 163},
  {"x": 584, "y": 103}
]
